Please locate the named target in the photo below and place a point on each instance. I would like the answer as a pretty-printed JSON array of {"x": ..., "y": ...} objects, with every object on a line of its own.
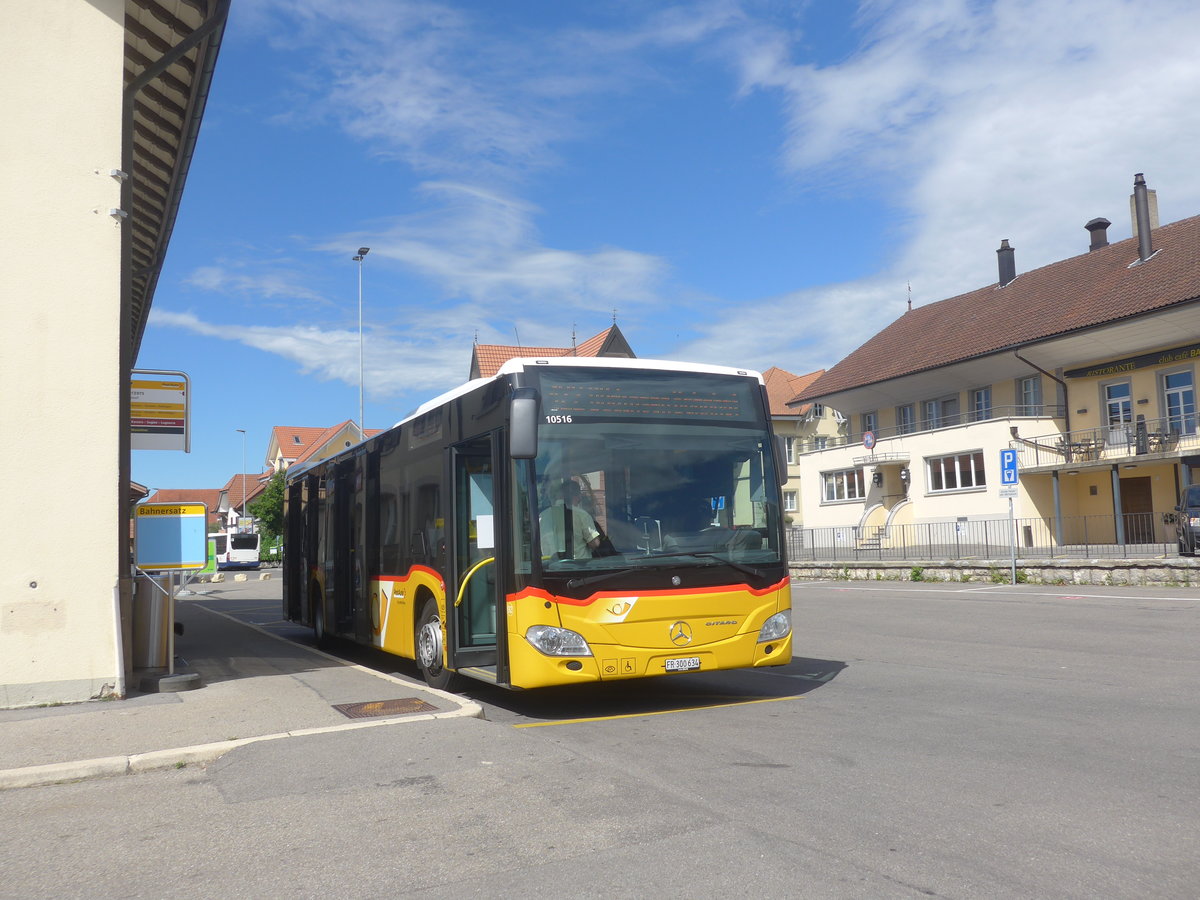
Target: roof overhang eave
[{"x": 143, "y": 152}]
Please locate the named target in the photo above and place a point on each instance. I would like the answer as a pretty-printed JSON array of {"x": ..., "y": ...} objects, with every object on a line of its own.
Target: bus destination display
[{"x": 693, "y": 399}]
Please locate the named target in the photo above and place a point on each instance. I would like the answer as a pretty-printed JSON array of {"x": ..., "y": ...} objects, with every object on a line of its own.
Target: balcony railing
[
  {"x": 1142, "y": 535},
  {"x": 1041, "y": 410},
  {"x": 1168, "y": 437}
]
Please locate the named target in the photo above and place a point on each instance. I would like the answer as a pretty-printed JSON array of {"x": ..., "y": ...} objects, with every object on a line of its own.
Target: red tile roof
[
  {"x": 1095, "y": 288},
  {"x": 782, "y": 386},
  {"x": 486, "y": 359},
  {"x": 490, "y": 357},
  {"x": 255, "y": 484},
  {"x": 295, "y": 440},
  {"x": 298, "y": 443}
]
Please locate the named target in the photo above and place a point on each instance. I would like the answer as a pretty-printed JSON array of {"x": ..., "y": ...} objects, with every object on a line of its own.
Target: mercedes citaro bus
[{"x": 436, "y": 539}]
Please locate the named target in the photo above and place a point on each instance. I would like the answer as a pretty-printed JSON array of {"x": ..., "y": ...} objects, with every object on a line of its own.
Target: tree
[{"x": 268, "y": 508}]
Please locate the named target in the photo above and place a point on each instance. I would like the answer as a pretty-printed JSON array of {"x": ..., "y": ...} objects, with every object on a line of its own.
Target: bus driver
[{"x": 568, "y": 530}]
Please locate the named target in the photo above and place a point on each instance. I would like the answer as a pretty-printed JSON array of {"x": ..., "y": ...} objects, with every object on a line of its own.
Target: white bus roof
[{"x": 520, "y": 364}]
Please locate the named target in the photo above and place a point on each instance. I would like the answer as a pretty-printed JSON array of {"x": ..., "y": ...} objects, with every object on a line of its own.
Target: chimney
[
  {"x": 1144, "y": 207},
  {"x": 1099, "y": 231},
  {"x": 1006, "y": 256}
]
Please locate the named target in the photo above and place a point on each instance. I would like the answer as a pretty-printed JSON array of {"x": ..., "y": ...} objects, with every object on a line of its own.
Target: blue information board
[{"x": 170, "y": 536}]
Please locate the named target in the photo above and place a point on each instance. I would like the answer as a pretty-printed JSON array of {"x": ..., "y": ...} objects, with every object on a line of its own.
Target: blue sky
[{"x": 749, "y": 183}]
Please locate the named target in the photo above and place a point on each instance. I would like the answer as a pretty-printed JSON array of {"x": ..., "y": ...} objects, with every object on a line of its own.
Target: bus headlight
[
  {"x": 557, "y": 641},
  {"x": 776, "y": 627}
]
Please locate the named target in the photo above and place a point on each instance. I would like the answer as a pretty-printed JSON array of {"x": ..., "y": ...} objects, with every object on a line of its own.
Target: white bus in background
[{"x": 237, "y": 550}]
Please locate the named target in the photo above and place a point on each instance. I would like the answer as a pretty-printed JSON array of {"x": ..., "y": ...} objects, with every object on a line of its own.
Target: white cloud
[
  {"x": 431, "y": 360},
  {"x": 271, "y": 282},
  {"x": 419, "y": 81},
  {"x": 801, "y": 331},
  {"x": 455, "y": 94},
  {"x": 482, "y": 245}
]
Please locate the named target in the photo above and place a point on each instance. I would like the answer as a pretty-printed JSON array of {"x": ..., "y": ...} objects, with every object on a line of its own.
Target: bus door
[
  {"x": 367, "y": 619},
  {"x": 473, "y": 600},
  {"x": 295, "y": 586},
  {"x": 345, "y": 550}
]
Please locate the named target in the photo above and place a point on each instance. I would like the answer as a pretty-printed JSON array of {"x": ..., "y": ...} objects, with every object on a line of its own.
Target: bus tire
[
  {"x": 318, "y": 620},
  {"x": 431, "y": 653}
]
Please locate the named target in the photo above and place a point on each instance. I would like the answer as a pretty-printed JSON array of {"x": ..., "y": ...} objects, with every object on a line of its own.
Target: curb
[{"x": 179, "y": 757}]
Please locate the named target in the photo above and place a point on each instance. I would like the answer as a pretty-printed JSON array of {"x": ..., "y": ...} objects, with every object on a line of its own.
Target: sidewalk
[{"x": 256, "y": 686}]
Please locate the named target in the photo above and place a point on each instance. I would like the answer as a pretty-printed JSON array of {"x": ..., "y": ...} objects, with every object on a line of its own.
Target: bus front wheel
[{"x": 430, "y": 651}]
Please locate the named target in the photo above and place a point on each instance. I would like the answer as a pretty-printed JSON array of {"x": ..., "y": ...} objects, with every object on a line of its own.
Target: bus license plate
[{"x": 683, "y": 664}]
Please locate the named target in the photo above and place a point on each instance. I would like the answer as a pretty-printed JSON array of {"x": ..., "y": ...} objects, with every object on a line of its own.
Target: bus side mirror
[
  {"x": 523, "y": 424},
  {"x": 781, "y": 459}
]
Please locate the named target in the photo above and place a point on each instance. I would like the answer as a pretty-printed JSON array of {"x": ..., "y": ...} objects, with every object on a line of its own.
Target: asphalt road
[{"x": 929, "y": 740}]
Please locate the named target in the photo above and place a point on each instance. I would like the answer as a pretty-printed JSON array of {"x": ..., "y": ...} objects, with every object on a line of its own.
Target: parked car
[{"x": 1187, "y": 522}]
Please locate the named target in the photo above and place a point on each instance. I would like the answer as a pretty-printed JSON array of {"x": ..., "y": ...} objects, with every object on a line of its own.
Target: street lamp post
[
  {"x": 362, "y": 252},
  {"x": 243, "y": 433}
]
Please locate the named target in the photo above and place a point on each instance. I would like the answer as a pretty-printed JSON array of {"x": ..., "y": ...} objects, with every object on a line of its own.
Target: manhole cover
[{"x": 383, "y": 708}]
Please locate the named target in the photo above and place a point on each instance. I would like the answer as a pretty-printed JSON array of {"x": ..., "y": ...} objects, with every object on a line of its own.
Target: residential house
[
  {"x": 291, "y": 444},
  {"x": 225, "y": 504},
  {"x": 1084, "y": 369},
  {"x": 238, "y": 493},
  {"x": 806, "y": 425}
]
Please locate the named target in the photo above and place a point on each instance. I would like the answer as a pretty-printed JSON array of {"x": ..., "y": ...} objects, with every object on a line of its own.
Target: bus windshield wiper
[
  {"x": 605, "y": 576},
  {"x": 744, "y": 569}
]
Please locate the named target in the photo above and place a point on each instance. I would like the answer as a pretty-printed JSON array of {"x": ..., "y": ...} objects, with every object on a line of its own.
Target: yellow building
[
  {"x": 101, "y": 107},
  {"x": 1085, "y": 369},
  {"x": 806, "y": 426}
]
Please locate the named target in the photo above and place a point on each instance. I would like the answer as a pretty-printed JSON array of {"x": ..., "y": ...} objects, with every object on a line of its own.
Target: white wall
[
  {"x": 990, "y": 437},
  {"x": 60, "y": 105}
]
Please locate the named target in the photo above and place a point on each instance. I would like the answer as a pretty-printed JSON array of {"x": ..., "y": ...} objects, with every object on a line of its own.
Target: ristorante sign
[{"x": 1157, "y": 358}]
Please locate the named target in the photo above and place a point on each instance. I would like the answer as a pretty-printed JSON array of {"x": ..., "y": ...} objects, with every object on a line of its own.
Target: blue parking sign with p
[{"x": 1008, "y": 467}]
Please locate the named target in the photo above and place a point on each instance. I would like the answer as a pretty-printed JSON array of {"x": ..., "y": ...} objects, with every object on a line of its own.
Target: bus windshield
[{"x": 612, "y": 496}]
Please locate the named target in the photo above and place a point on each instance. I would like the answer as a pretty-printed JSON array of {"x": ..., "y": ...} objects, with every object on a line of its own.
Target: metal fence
[{"x": 1142, "y": 535}]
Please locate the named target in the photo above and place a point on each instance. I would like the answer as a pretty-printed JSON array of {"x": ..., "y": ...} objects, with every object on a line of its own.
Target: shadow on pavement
[
  {"x": 220, "y": 650},
  {"x": 661, "y": 694}
]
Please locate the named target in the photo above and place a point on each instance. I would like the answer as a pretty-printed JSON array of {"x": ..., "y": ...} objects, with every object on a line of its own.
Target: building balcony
[
  {"x": 996, "y": 413},
  {"x": 893, "y": 457},
  {"x": 1168, "y": 438}
]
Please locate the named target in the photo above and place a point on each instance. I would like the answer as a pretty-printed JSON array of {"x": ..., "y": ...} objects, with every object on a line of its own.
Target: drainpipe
[
  {"x": 1067, "y": 422},
  {"x": 1062, "y": 384}
]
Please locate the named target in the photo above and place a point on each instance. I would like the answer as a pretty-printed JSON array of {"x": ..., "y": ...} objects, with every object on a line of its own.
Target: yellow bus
[{"x": 568, "y": 520}]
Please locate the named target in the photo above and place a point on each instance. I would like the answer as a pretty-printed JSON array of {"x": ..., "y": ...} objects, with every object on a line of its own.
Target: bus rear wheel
[
  {"x": 430, "y": 649},
  {"x": 318, "y": 621}
]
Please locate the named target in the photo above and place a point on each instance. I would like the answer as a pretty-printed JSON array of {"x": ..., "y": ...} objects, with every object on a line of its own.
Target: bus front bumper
[{"x": 532, "y": 669}]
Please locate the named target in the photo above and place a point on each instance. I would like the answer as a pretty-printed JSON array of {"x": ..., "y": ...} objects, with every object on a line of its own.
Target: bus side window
[
  {"x": 389, "y": 533},
  {"x": 419, "y": 549}
]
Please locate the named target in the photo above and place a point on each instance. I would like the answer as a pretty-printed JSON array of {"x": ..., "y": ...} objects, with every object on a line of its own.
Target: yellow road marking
[{"x": 661, "y": 712}]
